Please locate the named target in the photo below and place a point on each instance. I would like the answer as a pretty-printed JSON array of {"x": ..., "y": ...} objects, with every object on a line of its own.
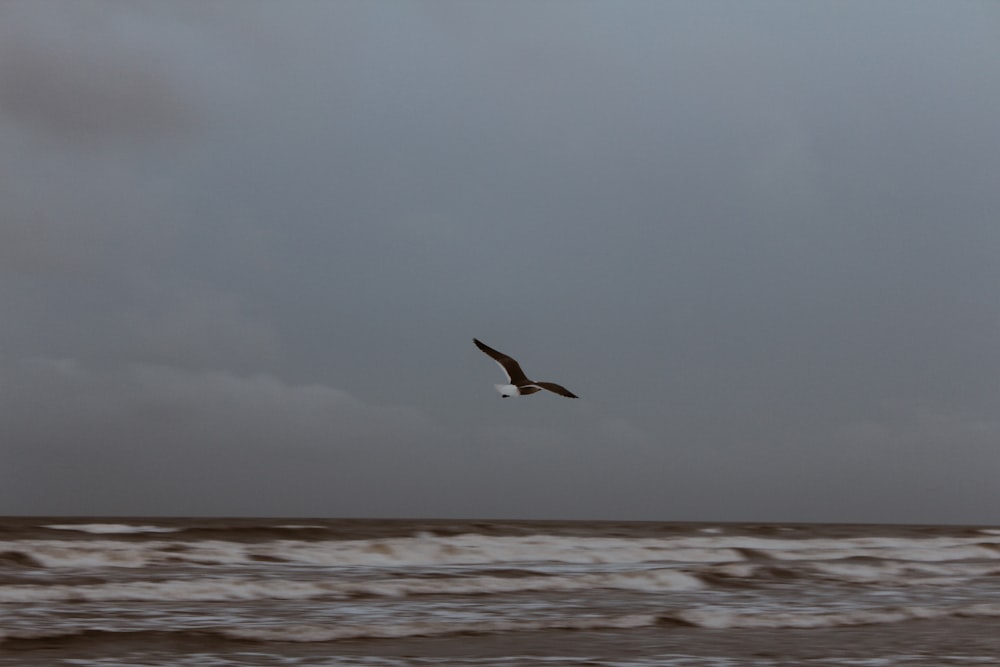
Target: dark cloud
[
  {"x": 78, "y": 72},
  {"x": 56, "y": 91}
]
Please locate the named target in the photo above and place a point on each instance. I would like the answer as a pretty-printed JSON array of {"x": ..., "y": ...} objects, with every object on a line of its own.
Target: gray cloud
[{"x": 758, "y": 239}]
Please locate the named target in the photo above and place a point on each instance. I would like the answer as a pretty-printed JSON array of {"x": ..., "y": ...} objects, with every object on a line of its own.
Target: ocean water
[{"x": 320, "y": 592}]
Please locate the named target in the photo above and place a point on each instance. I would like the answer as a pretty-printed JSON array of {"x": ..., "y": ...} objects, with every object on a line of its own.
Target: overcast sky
[{"x": 245, "y": 246}]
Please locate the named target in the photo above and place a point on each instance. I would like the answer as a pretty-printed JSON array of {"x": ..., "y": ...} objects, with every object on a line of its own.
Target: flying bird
[{"x": 518, "y": 382}]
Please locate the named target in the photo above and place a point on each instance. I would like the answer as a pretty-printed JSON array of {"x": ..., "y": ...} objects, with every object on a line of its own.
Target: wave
[
  {"x": 230, "y": 589},
  {"x": 317, "y": 633},
  {"x": 700, "y": 617},
  {"x": 428, "y": 550},
  {"x": 859, "y": 571},
  {"x": 330, "y": 633},
  {"x": 491, "y": 581},
  {"x": 719, "y": 618},
  {"x": 422, "y": 551}
]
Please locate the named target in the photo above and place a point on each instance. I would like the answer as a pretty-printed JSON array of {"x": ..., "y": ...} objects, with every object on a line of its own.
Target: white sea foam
[
  {"x": 726, "y": 618},
  {"x": 110, "y": 528}
]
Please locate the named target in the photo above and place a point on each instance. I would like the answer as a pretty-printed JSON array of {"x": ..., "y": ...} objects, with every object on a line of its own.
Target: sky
[{"x": 245, "y": 246}]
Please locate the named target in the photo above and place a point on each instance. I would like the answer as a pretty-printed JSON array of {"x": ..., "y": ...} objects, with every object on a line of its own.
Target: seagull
[{"x": 519, "y": 384}]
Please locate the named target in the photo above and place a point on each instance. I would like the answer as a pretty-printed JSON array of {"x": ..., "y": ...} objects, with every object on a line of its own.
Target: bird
[{"x": 518, "y": 382}]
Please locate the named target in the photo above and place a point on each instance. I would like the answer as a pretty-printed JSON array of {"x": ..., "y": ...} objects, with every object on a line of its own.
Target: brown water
[{"x": 115, "y": 592}]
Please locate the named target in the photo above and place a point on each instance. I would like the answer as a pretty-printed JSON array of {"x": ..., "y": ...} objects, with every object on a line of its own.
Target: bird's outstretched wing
[
  {"x": 509, "y": 366},
  {"x": 557, "y": 388}
]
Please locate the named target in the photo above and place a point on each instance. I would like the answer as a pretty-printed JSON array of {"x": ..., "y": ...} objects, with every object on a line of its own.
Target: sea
[{"x": 114, "y": 592}]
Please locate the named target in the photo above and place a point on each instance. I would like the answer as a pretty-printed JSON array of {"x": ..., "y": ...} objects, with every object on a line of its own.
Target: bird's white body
[{"x": 508, "y": 390}]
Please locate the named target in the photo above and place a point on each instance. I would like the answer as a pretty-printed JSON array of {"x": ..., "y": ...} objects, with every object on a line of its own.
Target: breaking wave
[
  {"x": 702, "y": 617},
  {"x": 721, "y": 618},
  {"x": 226, "y": 589},
  {"x": 427, "y": 550}
]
